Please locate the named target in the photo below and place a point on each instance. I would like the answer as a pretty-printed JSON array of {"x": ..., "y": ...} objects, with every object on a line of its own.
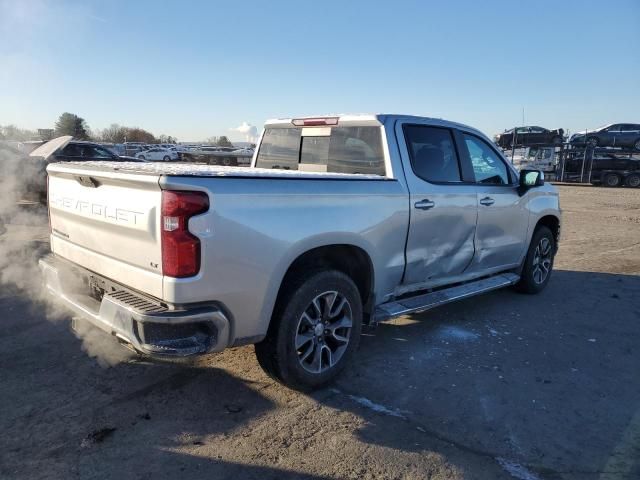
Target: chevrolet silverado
[{"x": 340, "y": 222}]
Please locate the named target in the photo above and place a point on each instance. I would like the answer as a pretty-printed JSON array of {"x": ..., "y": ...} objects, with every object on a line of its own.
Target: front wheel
[
  {"x": 166, "y": 158},
  {"x": 314, "y": 331},
  {"x": 141, "y": 157},
  {"x": 538, "y": 263},
  {"x": 637, "y": 145},
  {"x": 557, "y": 140}
]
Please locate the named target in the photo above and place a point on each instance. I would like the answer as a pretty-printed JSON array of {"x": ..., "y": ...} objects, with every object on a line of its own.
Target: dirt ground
[{"x": 501, "y": 386}]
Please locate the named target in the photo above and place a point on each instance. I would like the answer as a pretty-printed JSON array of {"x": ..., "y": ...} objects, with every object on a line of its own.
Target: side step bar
[{"x": 423, "y": 302}]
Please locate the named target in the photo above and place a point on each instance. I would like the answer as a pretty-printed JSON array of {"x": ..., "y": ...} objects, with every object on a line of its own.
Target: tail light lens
[{"x": 181, "y": 249}]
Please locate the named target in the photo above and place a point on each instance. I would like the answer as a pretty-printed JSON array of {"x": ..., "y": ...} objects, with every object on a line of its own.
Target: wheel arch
[
  {"x": 552, "y": 222},
  {"x": 352, "y": 260}
]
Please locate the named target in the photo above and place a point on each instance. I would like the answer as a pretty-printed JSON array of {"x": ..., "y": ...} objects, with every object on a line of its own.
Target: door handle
[
  {"x": 487, "y": 201},
  {"x": 425, "y": 204}
]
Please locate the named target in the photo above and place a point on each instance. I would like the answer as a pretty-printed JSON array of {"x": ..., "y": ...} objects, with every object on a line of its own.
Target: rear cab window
[{"x": 334, "y": 149}]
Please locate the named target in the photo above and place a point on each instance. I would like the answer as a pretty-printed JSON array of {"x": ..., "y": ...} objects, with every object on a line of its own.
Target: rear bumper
[{"x": 146, "y": 324}]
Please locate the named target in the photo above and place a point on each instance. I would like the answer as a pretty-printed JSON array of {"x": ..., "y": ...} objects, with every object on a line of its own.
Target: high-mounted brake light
[
  {"x": 181, "y": 249},
  {"x": 314, "y": 122}
]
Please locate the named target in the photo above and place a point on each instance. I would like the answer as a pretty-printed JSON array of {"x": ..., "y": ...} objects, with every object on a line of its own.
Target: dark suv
[
  {"x": 625, "y": 135},
  {"x": 525, "y": 136},
  {"x": 74, "y": 151},
  {"x": 81, "y": 151}
]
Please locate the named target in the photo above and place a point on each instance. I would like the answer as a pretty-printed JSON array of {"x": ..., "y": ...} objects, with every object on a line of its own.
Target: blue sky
[{"x": 197, "y": 69}]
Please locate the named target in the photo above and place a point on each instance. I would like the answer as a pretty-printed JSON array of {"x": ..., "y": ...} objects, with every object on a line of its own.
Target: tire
[
  {"x": 538, "y": 264},
  {"x": 633, "y": 180},
  {"x": 592, "y": 142},
  {"x": 229, "y": 162},
  {"x": 637, "y": 145},
  {"x": 141, "y": 157},
  {"x": 557, "y": 140},
  {"x": 612, "y": 180},
  {"x": 304, "y": 306},
  {"x": 166, "y": 158}
]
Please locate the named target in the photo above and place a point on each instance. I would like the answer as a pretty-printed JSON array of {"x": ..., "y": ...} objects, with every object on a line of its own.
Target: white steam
[
  {"x": 249, "y": 131},
  {"x": 24, "y": 239}
]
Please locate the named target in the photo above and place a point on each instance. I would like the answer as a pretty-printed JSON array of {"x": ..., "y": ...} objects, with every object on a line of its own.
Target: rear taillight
[{"x": 180, "y": 249}]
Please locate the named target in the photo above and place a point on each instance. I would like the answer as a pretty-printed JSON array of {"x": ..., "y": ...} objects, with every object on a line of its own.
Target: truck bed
[{"x": 201, "y": 170}]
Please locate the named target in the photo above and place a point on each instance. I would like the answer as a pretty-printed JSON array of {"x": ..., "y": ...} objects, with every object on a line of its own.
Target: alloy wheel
[
  {"x": 323, "y": 332},
  {"x": 542, "y": 258}
]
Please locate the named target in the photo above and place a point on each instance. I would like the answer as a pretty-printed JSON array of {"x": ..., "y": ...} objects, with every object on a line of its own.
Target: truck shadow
[{"x": 549, "y": 381}]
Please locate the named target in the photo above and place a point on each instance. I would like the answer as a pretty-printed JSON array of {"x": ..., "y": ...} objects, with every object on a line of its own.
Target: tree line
[{"x": 77, "y": 127}]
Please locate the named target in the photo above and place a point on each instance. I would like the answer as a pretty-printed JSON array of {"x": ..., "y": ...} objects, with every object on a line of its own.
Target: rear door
[
  {"x": 502, "y": 217},
  {"x": 443, "y": 205},
  {"x": 109, "y": 223}
]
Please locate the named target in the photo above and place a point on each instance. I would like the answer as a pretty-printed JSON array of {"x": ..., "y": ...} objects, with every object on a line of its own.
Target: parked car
[
  {"x": 83, "y": 151},
  {"x": 525, "y": 136},
  {"x": 158, "y": 153},
  {"x": 625, "y": 135},
  {"x": 289, "y": 254},
  {"x": 64, "y": 149},
  {"x": 132, "y": 149}
]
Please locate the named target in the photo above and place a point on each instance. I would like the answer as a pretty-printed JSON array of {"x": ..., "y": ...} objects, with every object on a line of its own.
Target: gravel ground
[{"x": 501, "y": 386}]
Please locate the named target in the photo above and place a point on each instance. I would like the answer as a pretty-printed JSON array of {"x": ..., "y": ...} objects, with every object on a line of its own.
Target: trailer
[{"x": 610, "y": 167}]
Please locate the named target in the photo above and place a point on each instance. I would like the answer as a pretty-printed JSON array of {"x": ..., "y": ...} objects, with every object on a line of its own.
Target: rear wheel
[
  {"x": 538, "y": 263},
  {"x": 141, "y": 157},
  {"x": 557, "y": 140},
  {"x": 612, "y": 180},
  {"x": 637, "y": 145},
  {"x": 314, "y": 331},
  {"x": 633, "y": 180},
  {"x": 166, "y": 158}
]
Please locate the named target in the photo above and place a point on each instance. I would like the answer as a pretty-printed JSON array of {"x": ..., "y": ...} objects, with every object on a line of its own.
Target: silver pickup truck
[{"x": 339, "y": 222}]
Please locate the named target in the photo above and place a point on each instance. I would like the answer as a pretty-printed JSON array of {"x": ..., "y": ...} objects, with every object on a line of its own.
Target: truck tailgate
[{"x": 108, "y": 222}]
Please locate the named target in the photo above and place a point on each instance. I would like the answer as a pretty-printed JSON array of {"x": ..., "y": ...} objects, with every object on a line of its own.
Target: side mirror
[{"x": 530, "y": 179}]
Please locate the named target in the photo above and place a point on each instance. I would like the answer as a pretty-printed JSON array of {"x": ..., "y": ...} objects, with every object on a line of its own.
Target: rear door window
[
  {"x": 343, "y": 150},
  {"x": 432, "y": 153}
]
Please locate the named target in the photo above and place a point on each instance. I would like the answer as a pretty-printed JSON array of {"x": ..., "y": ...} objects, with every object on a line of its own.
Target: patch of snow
[
  {"x": 516, "y": 470},
  {"x": 376, "y": 407},
  {"x": 456, "y": 334}
]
